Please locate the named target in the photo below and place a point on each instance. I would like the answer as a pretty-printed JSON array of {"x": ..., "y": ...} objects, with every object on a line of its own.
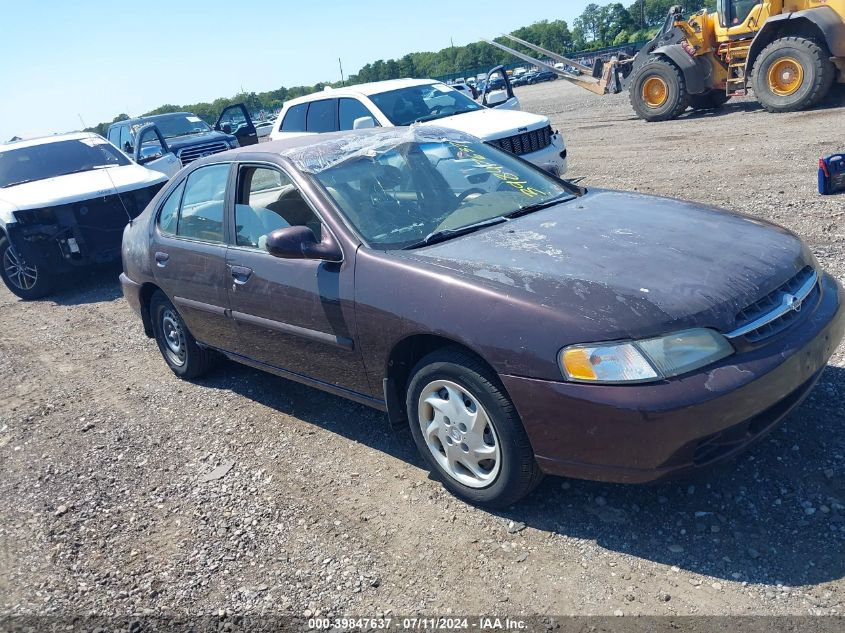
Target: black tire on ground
[
  {"x": 518, "y": 472},
  {"x": 819, "y": 74},
  {"x": 710, "y": 100},
  {"x": 182, "y": 354},
  {"x": 26, "y": 280},
  {"x": 676, "y": 98}
]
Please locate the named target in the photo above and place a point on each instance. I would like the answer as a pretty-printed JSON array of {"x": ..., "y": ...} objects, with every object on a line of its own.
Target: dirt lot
[{"x": 103, "y": 509}]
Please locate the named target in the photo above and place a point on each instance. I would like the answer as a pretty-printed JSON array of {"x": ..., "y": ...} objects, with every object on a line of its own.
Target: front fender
[{"x": 697, "y": 72}]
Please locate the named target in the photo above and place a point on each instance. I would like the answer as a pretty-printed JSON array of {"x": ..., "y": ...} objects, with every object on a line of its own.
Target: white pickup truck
[{"x": 402, "y": 102}]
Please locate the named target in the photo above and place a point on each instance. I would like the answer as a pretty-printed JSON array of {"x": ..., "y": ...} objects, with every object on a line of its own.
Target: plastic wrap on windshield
[{"x": 322, "y": 155}]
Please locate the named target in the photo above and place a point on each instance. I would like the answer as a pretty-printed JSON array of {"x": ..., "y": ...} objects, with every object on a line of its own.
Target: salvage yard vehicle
[
  {"x": 789, "y": 52},
  {"x": 400, "y": 102},
  {"x": 540, "y": 328},
  {"x": 186, "y": 135},
  {"x": 64, "y": 201}
]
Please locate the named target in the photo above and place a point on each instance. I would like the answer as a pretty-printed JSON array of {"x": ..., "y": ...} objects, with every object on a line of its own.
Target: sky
[{"x": 65, "y": 63}]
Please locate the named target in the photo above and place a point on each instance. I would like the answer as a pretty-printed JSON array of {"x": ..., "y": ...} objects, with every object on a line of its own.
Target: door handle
[
  {"x": 240, "y": 274},
  {"x": 161, "y": 259}
]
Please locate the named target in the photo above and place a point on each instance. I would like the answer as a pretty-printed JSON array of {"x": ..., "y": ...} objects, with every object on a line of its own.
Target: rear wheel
[
  {"x": 177, "y": 345},
  {"x": 468, "y": 430},
  {"x": 28, "y": 280},
  {"x": 792, "y": 74},
  {"x": 658, "y": 91}
]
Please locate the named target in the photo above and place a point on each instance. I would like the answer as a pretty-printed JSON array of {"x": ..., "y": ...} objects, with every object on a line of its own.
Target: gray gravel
[{"x": 124, "y": 490}]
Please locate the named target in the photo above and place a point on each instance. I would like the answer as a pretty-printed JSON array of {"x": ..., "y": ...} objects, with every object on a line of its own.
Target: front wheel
[
  {"x": 468, "y": 430},
  {"x": 792, "y": 74},
  {"x": 658, "y": 91},
  {"x": 28, "y": 280},
  {"x": 177, "y": 345}
]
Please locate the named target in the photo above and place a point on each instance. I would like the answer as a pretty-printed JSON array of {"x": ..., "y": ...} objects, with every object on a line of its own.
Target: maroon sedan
[{"x": 518, "y": 324}]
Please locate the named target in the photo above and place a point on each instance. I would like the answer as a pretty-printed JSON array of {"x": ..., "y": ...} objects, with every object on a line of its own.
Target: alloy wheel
[{"x": 18, "y": 272}]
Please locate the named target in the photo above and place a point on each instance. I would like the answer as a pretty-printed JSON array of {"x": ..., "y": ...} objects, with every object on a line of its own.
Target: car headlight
[
  {"x": 234, "y": 143},
  {"x": 644, "y": 360}
]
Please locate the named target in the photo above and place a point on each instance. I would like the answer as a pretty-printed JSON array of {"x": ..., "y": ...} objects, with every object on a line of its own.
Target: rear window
[
  {"x": 294, "y": 120},
  {"x": 322, "y": 116}
]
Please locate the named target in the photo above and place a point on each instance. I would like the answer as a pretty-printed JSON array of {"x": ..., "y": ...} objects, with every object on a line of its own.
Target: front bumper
[
  {"x": 554, "y": 154},
  {"x": 641, "y": 433}
]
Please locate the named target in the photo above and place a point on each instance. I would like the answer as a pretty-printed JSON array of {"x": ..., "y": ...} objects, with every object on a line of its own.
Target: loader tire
[
  {"x": 792, "y": 74},
  {"x": 711, "y": 100},
  {"x": 658, "y": 91}
]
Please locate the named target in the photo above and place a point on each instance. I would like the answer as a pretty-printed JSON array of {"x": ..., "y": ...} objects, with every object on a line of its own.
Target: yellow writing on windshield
[{"x": 465, "y": 152}]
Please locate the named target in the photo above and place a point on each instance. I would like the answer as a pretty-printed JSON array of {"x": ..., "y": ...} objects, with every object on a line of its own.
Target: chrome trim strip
[
  {"x": 198, "y": 305},
  {"x": 787, "y": 305},
  {"x": 286, "y": 328}
]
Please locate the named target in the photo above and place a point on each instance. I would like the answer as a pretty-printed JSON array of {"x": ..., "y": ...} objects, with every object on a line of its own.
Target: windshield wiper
[
  {"x": 446, "y": 234},
  {"x": 20, "y": 182},
  {"x": 430, "y": 117},
  {"x": 539, "y": 206},
  {"x": 80, "y": 170}
]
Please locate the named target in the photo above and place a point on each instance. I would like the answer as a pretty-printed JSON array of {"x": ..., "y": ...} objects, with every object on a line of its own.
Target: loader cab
[{"x": 737, "y": 17}]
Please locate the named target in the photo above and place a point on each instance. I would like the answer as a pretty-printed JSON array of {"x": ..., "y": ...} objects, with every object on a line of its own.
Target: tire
[
  {"x": 664, "y": 106},
  {"x": 26, "y": 280},
  {"x": 711, "y": 100},
  {"x": 791, "y": 91},
  {"x": 176, "y": 343},
  {"x": 482, "y": 418}
]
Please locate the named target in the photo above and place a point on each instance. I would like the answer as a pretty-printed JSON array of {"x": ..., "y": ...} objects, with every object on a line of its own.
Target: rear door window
[
  {"x": 201, "y": 214},
  {"x": 294, "y": 120},
  {"x": 168, "y": 217},
  {"x": 322, "y": 116}
]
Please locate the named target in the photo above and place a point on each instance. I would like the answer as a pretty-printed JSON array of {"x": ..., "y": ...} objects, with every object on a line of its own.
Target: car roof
[
  {"x": 372, "y": 88},
  {"x": 152, "y": 118},
  {"x": 333, "y": 147},
  {"x": 44, "y": 140}
]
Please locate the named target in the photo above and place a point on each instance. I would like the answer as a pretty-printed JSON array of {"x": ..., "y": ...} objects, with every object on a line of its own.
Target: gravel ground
[{"x": 124, "y": 490}]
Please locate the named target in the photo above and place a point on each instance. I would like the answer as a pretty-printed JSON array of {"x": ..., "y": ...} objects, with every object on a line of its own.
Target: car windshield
[
  {"x": 48, "y": 160},
  {"x": 422, "y": 103},
  {"x": 177, "y": 125},
  {"x": 417, "y": 193}
]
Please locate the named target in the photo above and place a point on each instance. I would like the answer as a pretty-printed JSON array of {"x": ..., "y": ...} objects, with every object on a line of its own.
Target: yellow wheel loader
[{"x": 789, "y": 52}]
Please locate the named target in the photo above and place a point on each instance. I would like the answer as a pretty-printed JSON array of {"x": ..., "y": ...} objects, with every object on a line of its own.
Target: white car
[
  {"x": 402, "y": 102},
  {"x": 64, "y": 201}
]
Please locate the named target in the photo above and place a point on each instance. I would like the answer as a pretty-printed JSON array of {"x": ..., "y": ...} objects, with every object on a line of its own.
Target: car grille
[
  {"x": 779, "y": 309},
  {"x": 527, "y": 142},
  {"x": 190, "y": 154}
]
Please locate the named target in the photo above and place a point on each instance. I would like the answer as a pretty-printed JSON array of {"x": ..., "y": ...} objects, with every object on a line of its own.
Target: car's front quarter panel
[{"x": 398, "y": 297}]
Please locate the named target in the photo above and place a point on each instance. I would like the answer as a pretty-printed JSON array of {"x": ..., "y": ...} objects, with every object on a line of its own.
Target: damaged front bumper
[
  {"x": 641, "y": 433},
  {"x": 81, "y": 233}
]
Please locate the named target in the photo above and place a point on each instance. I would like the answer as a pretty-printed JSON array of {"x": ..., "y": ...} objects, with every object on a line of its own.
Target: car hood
[
  {"x": 491, "y": 123},
  {"x": 75, "y": 187},
  {"x": 628, "y": 265}
]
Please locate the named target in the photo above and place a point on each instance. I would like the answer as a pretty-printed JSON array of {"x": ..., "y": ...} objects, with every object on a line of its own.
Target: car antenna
[{"x": 113, "y": 186}]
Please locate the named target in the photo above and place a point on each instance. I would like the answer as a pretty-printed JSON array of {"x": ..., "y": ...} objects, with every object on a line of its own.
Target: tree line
[{"x": 599, "y": 26}]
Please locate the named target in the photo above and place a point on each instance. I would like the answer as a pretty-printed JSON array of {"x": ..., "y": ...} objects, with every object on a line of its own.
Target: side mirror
[
  {"x": 227, "y": 128},
  {"x": 143, "y": 160},
  {"x": 363, "y": 122},
  {"x": 299, "y": 242}
]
